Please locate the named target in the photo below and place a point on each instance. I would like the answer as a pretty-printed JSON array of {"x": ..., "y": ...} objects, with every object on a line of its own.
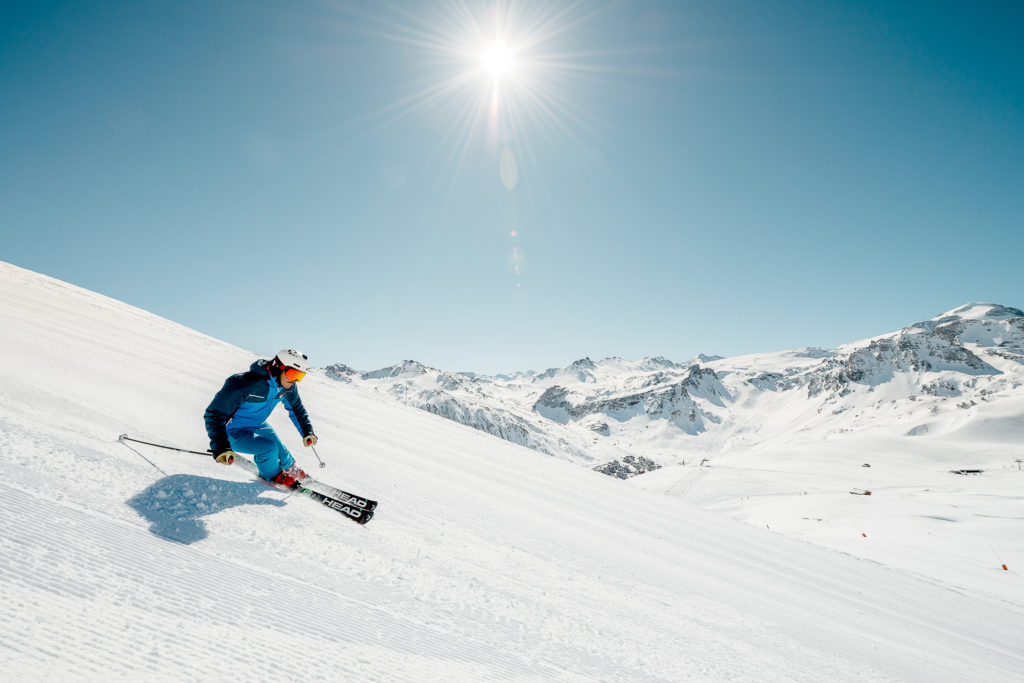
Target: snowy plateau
[{"x": 803, "y": 522}]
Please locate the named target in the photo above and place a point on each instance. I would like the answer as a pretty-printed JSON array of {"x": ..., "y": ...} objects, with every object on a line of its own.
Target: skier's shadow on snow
[{"x": 175, "y": 505}]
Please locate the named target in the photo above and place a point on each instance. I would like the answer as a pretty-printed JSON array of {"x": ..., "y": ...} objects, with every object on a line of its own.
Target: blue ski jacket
[{"x": 246, "y": 401}]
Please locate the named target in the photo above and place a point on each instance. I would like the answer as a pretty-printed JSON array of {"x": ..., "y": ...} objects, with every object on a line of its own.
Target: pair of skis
[{"x": 357, "y": 508}]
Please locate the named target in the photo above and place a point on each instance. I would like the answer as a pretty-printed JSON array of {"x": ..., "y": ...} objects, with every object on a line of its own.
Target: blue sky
[{"x": 680, "y": 178}]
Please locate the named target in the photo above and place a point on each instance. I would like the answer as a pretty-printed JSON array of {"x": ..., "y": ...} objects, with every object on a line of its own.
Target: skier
[{"x": 236, "y": 418}]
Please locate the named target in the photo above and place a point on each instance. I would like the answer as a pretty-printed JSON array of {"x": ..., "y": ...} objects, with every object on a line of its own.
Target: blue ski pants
[{"x": 266, "y": 449}]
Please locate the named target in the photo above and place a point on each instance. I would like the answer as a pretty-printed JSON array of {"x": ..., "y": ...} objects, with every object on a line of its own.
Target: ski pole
[{"x": 125, "y": 437}]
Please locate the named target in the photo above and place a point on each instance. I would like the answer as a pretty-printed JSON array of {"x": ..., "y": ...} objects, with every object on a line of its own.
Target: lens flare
[{"x": 508, "y": 169}]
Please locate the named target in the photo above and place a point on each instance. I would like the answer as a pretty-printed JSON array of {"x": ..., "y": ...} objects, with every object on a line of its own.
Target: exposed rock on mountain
[
  {"x": 935, "y": 345},
  {"x": 629, "y": 467}
]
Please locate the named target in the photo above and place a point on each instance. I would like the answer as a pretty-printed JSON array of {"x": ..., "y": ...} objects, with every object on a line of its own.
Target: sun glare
[
  {"x": 499, "y": 72},
  {"x": 497, "y": 60}
]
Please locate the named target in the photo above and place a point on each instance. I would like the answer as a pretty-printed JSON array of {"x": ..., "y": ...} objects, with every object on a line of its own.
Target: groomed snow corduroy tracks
[{"x": 485, "y": 561}]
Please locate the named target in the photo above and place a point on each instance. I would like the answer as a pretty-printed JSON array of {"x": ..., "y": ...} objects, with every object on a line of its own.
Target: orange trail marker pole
[{"x": 998, "y": 558}]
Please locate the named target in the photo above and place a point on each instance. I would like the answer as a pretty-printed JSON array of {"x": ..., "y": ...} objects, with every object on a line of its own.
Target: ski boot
[{"x": 290, "y": 477}]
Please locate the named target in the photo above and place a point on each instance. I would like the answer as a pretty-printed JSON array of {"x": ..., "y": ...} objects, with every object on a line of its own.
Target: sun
[
  {"x": 498, "y": 60},
  {"x": 505, "y": 76}
]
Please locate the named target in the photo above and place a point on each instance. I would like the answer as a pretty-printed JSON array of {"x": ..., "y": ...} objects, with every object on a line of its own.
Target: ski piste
[
  {"x": 345, "y": 503},
  {"x": 357, "y": 508}
]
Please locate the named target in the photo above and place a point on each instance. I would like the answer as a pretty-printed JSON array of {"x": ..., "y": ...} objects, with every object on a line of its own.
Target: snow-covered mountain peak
[
  {"x": 703, "y": 358},
  {"x": 973, "y": 340},
  {"x": 980, "y": 311},
  {"x": 581, "y": 370},
  {"x": 660, "y": 363},
  {"x": 404, "y": 369}
]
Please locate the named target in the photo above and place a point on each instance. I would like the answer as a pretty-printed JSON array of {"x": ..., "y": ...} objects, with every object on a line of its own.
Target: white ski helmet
[{"x": 290, "y": 358}]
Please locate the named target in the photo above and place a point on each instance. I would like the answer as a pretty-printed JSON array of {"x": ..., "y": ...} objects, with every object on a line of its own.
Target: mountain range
[{"x": 928, "y": 378}]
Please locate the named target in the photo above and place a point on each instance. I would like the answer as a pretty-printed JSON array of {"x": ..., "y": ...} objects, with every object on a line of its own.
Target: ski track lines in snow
[
  {"x": 110, "y": 599},
  {"x": 204, "y": 617},
  {"x": 485, "y": 561},
  {"x": 175, "y": 608},
  {"x": 107, "y": 578}
]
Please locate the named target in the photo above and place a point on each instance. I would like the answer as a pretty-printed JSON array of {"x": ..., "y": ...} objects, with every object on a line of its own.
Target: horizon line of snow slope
[{"x": 485, "y": 560}]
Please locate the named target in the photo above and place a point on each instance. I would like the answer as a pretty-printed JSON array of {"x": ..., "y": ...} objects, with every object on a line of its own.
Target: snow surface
[
  {"x": 485, "y": 560},
  {"x": 782, "y": 439}
]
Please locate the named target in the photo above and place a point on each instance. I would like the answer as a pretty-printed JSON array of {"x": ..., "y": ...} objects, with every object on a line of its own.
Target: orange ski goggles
[{"x": 293, "y": 375}]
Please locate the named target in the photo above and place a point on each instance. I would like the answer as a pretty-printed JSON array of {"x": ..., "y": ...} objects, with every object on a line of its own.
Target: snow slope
[
  {"x": 782, "y": 439},
  {"x": 485, "y": 561}
]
